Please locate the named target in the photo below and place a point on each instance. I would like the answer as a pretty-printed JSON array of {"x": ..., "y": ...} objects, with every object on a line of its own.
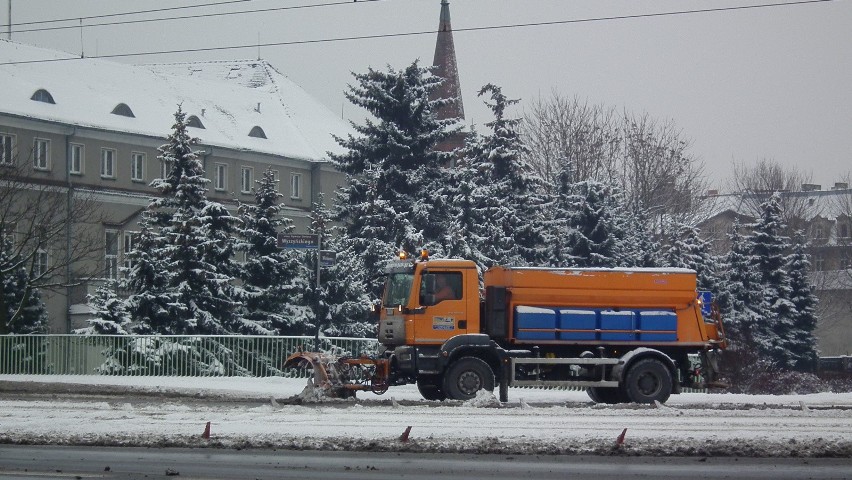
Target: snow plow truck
[{"x": 625, "y": 335}]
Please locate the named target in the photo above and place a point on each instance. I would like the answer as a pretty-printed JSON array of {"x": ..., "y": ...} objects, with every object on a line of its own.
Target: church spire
[{"x": 445, "y": 66}]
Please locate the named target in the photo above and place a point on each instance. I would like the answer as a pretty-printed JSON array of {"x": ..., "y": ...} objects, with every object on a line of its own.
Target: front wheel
[
  {"x": 467, "y": 376},
  {"x": 430, "y": 387},
  {"x": 648, "y": 381}
]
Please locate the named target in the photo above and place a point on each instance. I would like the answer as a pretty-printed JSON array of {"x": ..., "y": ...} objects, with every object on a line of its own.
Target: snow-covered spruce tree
[
  {"x": 768, "y": 249},
  {"x": 147, "y": 280},
  {"x": 686, "y": 249},
  {"x": 191, "y": 237},
  {"x": 109, "y": 313},
  {"x": 802, "y": 343},
  {"x": 741, "y": 299},
  {"x": 394, "y": 171},
  {"x": 15, "y": 293},
  {"x": 504, "y": 210},
  {"x": 639, "y": 247},
  {"x": 269, "y": 275},
  {"x": 340, "y": 305},
  {"x": 594, "y": 224}
]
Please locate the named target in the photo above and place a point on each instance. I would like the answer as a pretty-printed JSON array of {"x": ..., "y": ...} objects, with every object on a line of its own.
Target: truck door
[{"x": 444, "y": 308}]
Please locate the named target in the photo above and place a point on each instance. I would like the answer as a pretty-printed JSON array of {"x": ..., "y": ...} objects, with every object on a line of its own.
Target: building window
[
  {"x": 246, "y": 179},
  {"x": 137, "y": 167},
  {"x": 76, "y": 161},
  {"x": 41, "y": 263},
  {"x": 41, "y": 154},
  {"x": 42, "y": 95},
  {"x": 194, "y": 122},
  {"x": 7, "y": 235},
  {"x": 221, "y": 183},
  {"x": 257, "y": 132},
  {"x": 819, "y": 233},
  {"x": 844, "y": 230},
  {"x": 130, "y": 240},
  {"x": 107, "y": 163},
  {"x": 7, "y": 149},
  {"x": 123, "y": 110},
  {"x": 296, "y": 186},
  {"x": 819, "y": 263},
  {"x": 165, "y": 169},
  {"x": 275, "y": 179},
  {"x": 111, "y": 254},
  {"x": 845, "y": 261}
]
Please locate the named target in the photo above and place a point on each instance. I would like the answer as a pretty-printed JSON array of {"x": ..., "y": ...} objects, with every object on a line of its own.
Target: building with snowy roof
[
  {"x": 825, "y": 219},
  {"x": 91, "y": 128}
]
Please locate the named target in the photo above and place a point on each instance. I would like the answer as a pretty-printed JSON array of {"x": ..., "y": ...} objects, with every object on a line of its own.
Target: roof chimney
[
  {"x": 840, "y": 186},
  {"x": 811, "y": 187}
]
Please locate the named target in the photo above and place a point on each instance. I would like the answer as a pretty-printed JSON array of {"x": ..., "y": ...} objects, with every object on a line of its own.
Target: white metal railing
[{"x": 164, "y": 355}]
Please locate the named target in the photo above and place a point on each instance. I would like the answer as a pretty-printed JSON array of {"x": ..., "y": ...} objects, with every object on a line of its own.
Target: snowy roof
[
  {"x": 228, "y": 98},
  {"x": 824, "y": 203}
]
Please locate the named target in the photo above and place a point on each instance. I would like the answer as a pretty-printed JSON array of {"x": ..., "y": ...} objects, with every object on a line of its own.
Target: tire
[
  {"x": 430, "y": 387},
  {"x": 467, "y": 376},
  {"x": 648, "y": 381},
  {"x": 607, "y": 395}
]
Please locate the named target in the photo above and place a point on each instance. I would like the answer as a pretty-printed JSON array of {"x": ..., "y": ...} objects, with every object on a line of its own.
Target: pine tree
[
  {"x": 148, "y": 280},
  {"x": 269, "y": 274},
  {"x": 639, "y": 248},
  {"x": 191, "y": 243},
  {"x": 497, "y": 215},
  {"x": 686, "y": 249},
  {"x": 593, "y": 226},
  {"x": 741, "y": 298},
  {"x": 394, "y": 170},
  {"x": 14, "y": 294},
  {"x": 768, "y": 247},
  {"x": 339, "y": 305},
  {"x": 801, "y": 343},
  {"x": 109, "y": 313}
]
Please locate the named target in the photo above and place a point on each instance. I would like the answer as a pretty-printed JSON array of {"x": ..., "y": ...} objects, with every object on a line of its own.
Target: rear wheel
[
  {"x": 430, "y": 387},
  {"x": 467, "y": 376},
  {"x": 648, "y": 381}
]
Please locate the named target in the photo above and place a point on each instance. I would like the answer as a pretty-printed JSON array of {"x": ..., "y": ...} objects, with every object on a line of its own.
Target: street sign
[
  {"x": 291, "y": 240},
  {"x": 327, "y": 258}
]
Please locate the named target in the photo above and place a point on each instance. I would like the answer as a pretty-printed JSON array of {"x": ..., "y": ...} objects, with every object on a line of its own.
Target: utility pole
[{"x": 9, "y": 27}]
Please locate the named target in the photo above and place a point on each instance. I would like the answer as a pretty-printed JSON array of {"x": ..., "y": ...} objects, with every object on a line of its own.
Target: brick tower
[{"x": 445, "y": 67}]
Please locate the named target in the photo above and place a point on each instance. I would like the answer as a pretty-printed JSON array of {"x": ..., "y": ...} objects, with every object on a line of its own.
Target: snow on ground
[{"x": 260, "y": 412}]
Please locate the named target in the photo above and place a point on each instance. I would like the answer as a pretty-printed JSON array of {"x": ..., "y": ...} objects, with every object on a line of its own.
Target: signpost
[{"x": 325, "y": 258}]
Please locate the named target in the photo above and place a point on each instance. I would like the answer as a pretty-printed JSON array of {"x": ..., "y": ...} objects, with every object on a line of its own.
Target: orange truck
[{"x": 626, "y": 335}]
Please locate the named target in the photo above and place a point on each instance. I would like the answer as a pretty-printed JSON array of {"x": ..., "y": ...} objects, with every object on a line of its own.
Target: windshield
[{"x": 398, "y": 288}]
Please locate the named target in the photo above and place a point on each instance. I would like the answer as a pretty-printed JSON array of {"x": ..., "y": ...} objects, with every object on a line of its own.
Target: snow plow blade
[{"x": 341, "y": 377}]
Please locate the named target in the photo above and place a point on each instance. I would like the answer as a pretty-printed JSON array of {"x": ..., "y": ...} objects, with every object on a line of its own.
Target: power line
[
  {"x": 432, "y": 32},
  {"x": 188, "y": 17},
  {"x": 121, "y": 14}
]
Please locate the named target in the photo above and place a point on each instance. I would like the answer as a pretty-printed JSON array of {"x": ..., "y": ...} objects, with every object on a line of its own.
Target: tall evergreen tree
[
  {"x": 768, "y": 247},
  {"x": 686, "y": 249},
  {"x": 15, "y": 293},
  {"x": 594, "y": 227},
  {"x": 495, "y": 199},
  {"x": 802, "y": 343},
  {"x": 339, "y": 305},
  {"x": 394, "y": 170},
  {"x": 192, "y": 242},
  {"x": 269, "y": 274},
  {"x": 741, "y": 297}
]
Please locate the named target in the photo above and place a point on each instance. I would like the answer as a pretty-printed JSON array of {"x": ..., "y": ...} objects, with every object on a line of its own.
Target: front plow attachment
[{"x": 341, "y": 377}]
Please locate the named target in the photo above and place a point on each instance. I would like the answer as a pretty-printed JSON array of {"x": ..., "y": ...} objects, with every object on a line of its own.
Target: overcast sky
[{"x": 742, "y": 84}]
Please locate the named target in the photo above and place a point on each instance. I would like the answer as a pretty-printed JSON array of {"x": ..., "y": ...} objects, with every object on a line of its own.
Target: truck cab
[{"x": 429, "y": 302}]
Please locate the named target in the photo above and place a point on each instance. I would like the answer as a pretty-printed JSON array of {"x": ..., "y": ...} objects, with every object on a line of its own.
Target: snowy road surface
[{"x": 258, "y": 413}]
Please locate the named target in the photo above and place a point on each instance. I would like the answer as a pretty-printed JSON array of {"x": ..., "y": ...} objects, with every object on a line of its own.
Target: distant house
[
  {"x": 823, "y": 216},
  {"x": 92, "y": 127}
]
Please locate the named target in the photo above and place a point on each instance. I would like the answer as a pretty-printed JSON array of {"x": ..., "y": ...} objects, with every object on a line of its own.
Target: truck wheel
[
  {"x": 606, "y": 395},
  {"x": 647, "y": 381},
  {"x": 430, "y": 387},
  {"x": 467, "y": 376}
]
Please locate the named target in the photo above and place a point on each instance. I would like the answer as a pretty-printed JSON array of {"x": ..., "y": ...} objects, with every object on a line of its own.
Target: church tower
[{"x": 445, "y": 67}]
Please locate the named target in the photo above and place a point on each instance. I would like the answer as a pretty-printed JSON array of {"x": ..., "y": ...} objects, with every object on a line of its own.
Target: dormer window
[
  {"x": 123, "y": 110},
  {"x": 194, "y": 122},
  {"x": 257, "y": 132},
  {"x": 42, "y": 95}
]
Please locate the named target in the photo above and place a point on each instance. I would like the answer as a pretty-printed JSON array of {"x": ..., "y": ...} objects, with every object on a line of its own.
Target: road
[{"x": 34, "y": 462}]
